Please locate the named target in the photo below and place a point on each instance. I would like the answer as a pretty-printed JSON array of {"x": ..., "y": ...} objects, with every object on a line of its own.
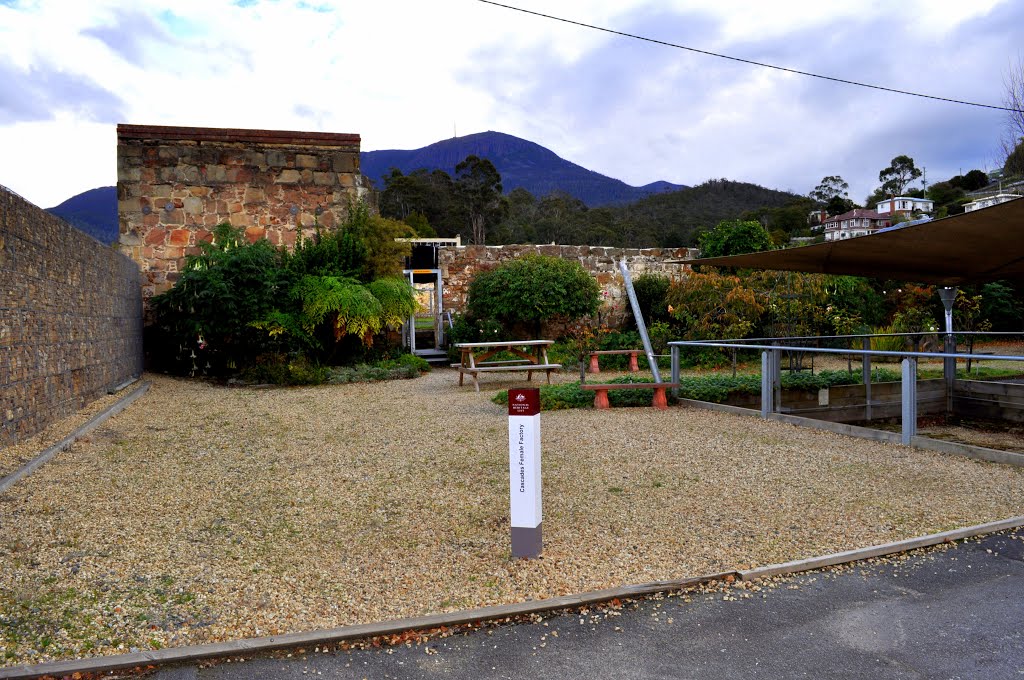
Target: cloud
[
  {"x": 39, "y": 93},
  {"x": 644, "y": 112},
  {"x": 402, "y": 73},
  {"x": 129, "y": 34}
]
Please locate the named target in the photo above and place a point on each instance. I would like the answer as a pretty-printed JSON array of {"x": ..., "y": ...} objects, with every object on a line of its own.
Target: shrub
[
  {"x": 533, "y": 289},
  {"x": 651, "y": 291},
  {"x": 280, "y": 369},
  {"x": 237, "y": 300}
]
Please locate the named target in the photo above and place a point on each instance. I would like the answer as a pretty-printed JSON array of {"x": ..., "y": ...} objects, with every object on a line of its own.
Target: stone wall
[
  {"x": 460, "y": 264},
  {"x": 70, "y": 318},
  {"x": 175, "y": 184}
]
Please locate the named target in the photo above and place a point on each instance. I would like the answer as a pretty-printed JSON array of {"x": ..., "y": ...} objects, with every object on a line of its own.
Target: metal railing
[{"x": 771, "y": 355}]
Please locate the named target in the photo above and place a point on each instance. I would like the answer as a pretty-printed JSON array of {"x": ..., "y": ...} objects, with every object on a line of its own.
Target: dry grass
[{"x": 203, "y": 513}]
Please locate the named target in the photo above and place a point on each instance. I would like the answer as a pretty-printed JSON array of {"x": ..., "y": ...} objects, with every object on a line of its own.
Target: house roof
[
  {"x": 974, "y": 247},
  {"x": 856, "y": 213}
]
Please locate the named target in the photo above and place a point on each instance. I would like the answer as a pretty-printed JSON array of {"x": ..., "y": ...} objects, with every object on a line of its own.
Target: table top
[{"x": 508, "y": 343}]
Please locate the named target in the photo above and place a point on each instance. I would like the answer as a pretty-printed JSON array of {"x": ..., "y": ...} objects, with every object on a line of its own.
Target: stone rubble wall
[
  {"x": 460, "y": 264},
  {"x": 174, "y": 185},
  {"x": 70, "y": 319}
]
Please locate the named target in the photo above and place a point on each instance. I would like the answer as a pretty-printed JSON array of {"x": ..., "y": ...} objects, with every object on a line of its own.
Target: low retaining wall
[
  {"x": 848, "y": 403},
  {"x": 989, "y": 400},
  {"x": 70, "y": 318}
]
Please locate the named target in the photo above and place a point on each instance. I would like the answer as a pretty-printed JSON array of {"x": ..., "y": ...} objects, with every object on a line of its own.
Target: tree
[
  {"x": 1014, "y": 165},
  {"x": 1013, "y": 127},
  {"x": 947, "y": 197},
  {"x": 974, "y": 180},
  {"x": 431, "y": 194},
  {"x": 710, "y": 306},
  {"x": 478, "y": 188},
  {"x": 837, "y": 205},
  {"x": 531, "y": 290},
  {"x": 734, "y": 237},
  {"x": 900, "y": 173},
  {"x": 831, "y": 187}
]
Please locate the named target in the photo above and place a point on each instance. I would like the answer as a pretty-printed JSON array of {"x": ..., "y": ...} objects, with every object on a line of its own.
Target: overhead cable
[{"x": 844, "y": 81}]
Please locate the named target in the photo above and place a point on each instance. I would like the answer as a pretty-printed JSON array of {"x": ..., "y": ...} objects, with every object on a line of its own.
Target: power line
[{"x": 749, "y": 61}]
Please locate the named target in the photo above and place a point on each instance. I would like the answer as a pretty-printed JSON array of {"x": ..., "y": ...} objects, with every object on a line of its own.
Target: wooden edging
[
  {"x": 64, "y": 444},
  {"x": 937, "y": 445},
  {"x": 250, "y": 646}
]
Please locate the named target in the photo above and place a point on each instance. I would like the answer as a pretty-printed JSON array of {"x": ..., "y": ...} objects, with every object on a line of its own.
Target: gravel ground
[
  {"x": 203, "y": 513},
  {"x": 15, "y": 456}
]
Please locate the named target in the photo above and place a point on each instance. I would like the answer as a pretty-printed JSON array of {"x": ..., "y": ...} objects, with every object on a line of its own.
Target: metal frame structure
[
  {"x": 410, "y": 332},
  {"x": 771, "y": 357}
]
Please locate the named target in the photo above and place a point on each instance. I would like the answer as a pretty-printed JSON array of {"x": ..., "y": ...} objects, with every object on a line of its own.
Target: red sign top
[{"x": 524, "y": 402}]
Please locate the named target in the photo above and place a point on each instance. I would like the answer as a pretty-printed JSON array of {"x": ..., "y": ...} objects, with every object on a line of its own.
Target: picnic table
[{"x": 531, "y": 356}]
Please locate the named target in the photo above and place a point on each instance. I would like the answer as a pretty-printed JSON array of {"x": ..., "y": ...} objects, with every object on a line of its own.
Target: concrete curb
[
  {"x": 926, "y": 443},
  {"x": 64, "y": 444},
  {"x": 357, "y": 632},
  {"x": 879, "y": 550},
  {"x": 251, "y": 646}
]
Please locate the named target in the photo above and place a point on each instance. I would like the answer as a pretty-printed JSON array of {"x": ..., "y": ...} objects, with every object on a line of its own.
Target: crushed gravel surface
[
  {"x": 203, "y": 513},
  {"x": 15, "y": 456}
]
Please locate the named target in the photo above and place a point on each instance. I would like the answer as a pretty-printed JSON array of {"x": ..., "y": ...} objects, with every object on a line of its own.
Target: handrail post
[
  {"x": 866, "y": 375},
  {"x": 766, "y": 384},
  {"x": 776, "y": 379},
  {"x": 909, "y": 394},
  {"x": 675, "y": 369},
  {"x": 948, "y": 297}
]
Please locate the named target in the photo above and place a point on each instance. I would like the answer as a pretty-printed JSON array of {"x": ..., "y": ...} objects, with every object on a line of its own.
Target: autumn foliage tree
[{"x": 712, "y": 306}]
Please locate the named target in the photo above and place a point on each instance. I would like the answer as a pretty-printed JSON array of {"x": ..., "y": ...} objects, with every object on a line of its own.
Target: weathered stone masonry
[
  {"x": 460, "y": 264},
  {"x": 70, "y": 319},
  {"x": 174, "y": 184}
]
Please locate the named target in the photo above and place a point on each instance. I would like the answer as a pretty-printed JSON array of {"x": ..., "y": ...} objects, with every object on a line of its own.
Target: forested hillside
[{"x": 664, "y": 220}]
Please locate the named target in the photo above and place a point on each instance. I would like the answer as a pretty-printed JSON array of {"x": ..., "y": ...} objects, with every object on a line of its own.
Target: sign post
[{"x": 524, "y": 471}]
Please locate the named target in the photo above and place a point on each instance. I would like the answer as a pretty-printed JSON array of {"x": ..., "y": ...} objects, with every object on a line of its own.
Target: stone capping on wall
[{"x": 229, "y": 135}]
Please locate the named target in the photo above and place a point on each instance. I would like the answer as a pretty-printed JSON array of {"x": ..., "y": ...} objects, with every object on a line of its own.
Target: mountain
[
  {"x": 93, "y": 211},
  {"x": 521, "y": 163}
]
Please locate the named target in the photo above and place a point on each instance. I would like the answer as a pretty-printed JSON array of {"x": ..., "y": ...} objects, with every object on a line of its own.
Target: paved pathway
[{"x": 957, "y": 613}]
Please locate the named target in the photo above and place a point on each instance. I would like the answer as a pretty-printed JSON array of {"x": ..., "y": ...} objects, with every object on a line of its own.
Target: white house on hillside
[
  {"x": 906, "y": 205},
  {"x": 858, "y": 222},
  {"x": 990, "y": 200}
]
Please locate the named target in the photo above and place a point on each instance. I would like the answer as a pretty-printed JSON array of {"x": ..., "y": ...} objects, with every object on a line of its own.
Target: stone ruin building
[{"x": 174, "y": 184}]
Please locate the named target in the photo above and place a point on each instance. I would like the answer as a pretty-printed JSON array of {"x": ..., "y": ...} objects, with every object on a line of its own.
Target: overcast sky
[{"x": 406, "y": 73}]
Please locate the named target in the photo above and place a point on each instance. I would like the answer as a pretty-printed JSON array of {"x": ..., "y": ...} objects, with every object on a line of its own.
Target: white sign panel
[{"x": 524, "y": 470}]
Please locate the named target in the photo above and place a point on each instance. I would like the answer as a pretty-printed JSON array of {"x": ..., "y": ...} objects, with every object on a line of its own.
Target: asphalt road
[{"x": 954, "y": 613}]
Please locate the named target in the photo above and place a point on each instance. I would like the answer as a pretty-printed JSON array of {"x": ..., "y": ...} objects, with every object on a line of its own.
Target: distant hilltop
[
  {"x": 93, "y": 211},
  {"x": 522, "y": 163}
]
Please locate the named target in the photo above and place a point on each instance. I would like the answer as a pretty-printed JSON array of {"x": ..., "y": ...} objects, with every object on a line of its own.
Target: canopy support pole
[{"x": 948, "y": 297}]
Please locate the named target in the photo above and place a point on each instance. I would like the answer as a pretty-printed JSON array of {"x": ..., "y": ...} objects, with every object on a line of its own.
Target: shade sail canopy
[{"x": 975, "y": 247}]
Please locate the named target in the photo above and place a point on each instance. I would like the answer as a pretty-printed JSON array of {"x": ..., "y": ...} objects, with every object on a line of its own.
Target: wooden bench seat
[
  {"x": 595, "y": 367},
  {"x": 529, "y": 368},
  {"x": 510, "y": 362},
  {"x": 601, "y": 392}
]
